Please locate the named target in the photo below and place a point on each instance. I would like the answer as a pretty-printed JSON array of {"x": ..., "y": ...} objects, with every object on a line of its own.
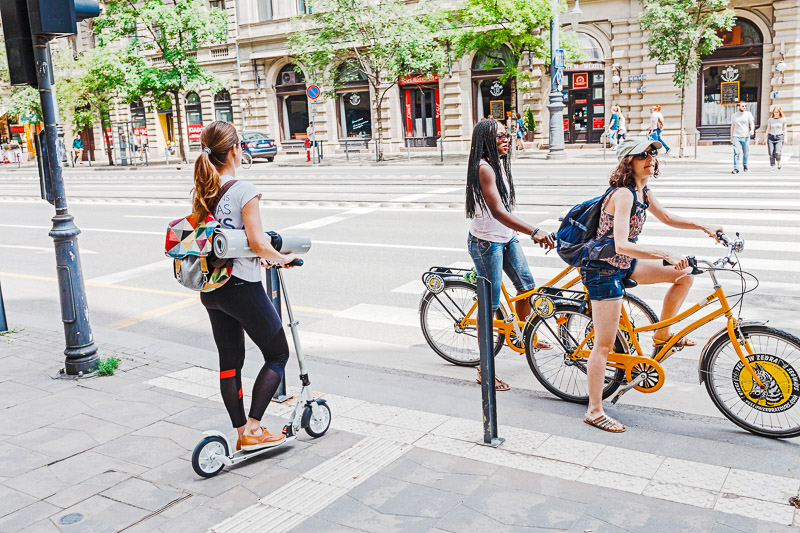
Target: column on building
[{"x": 455, "y": 111}]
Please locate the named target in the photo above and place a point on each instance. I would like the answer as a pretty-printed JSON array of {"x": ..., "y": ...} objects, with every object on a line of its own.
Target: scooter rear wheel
[
  {"x": 205, "y": 458},
  {"x": 316, "y": 425}
]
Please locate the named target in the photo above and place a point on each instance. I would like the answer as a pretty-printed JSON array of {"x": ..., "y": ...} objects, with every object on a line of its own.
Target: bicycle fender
[{"x": 702, "y": 368}]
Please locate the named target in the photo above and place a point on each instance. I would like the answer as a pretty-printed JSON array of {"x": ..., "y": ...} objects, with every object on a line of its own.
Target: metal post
[
  {"x": 376, "y": 150},
  {"x": 273, "y": 288},
  {"x": 556, "y": 104},
  {"x": 319, "y": 152},
  {"x": 408, "y": 150},
  {"x": 695, "y": 145},
  {"x": 81, "y": 352},
  {"x": 488, "y": 392},
  {"x": 3, "y": 321},
  {"x": 441, "y": 149},
  {"x": 346, "y": 152},
  {"x": 605, "y": 139}
]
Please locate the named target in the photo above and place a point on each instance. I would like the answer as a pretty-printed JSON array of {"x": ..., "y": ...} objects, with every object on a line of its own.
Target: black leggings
[{"x": 236, "y": 308}]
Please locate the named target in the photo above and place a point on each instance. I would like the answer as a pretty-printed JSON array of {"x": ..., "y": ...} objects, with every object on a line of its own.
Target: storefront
[
  {"x": 419, "y": 95},
  {"x": 194, "y": 119},
  {"x": 293, "y": 112},
  {"x": 353, "y": 104},
  {"x": 584, "y": 95},
  {"x": 223, "y": 109},
  {"x": 729, "y": 75},
  {"x": 492, "y": 96},
  {"x": 165, "y": 120},
  {"x": 139, "y": 119}
]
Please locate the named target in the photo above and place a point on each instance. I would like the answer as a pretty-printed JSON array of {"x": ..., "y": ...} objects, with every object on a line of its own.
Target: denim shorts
[
  {"x": 603, "y": 281},
  {"x": 493, "y": 258}
]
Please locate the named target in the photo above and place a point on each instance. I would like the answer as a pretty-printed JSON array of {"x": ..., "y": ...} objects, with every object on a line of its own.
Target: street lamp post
[{"x": 556, "y": 105}]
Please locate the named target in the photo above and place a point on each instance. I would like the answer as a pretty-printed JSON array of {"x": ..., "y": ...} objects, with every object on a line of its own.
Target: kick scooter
[{"x": 215, "y": 451}]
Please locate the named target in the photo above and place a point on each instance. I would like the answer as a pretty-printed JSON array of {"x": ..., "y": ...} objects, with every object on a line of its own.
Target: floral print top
[{"x": 637, "y": 224}]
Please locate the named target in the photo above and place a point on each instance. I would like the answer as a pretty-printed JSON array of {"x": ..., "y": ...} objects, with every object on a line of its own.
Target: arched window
[
  {"x": 591, "y": 48},
  {"x": 744, "y": 33},
  {"x": 194, "y": 118},
  {"x": 223, "y": 110},
  {"x": 491, "y": 96},
  {"x": 290, "y": 87}
]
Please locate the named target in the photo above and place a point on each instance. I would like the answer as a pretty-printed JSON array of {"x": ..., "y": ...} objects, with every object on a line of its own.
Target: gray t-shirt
[
  {"x": 741, "y": 123},
  {"x": 229, "y": 215},
  {"x": 776, "y": 125}
]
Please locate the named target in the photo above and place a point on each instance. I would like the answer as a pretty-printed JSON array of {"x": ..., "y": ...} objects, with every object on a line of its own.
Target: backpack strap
[{"x": 222, "y": 190}]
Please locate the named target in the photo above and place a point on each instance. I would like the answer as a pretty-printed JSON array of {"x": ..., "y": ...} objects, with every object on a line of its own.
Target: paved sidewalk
[{"x": 112, "y": 454}]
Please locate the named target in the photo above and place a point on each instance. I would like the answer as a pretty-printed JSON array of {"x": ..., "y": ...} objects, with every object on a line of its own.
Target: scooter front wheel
[
  {"x": 206, "y": 458},
  {"x": 317, "y": 423}
]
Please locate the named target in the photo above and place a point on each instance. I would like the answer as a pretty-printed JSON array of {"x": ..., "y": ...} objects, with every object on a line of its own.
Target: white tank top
[{"x": 484, "y": 226}]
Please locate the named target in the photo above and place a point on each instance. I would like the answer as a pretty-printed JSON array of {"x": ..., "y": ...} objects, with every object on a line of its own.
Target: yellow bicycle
[{"x": 750, "y": 370}]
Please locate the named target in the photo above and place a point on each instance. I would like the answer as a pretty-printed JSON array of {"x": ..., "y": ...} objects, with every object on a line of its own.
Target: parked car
[{"x": 258, "y": 145}]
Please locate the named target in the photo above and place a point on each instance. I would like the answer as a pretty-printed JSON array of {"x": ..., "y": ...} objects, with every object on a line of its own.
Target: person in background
[
  {"x": 776, "y": 131},
  {"x": 616, "y": 126},
  {"x": 77, "y": 150},
  {"x": 656, "y": 126},
  {"x": 168, "y": 151},
  {"x": 520, "y": 133},
  {"x": 743, "y": 126}
]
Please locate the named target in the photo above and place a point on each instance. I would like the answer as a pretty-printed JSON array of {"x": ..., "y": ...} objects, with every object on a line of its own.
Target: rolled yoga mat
[{"x": 232, "y": 243}]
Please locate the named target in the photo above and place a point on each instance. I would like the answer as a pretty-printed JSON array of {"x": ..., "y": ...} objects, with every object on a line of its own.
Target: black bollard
[
  {"x": 488, "y": 392},
  {"x": 3, "y": 321}
]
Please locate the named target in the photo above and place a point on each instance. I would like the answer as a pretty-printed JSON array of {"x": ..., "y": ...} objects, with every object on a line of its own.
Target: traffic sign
[
  {"x": 558, "y": 59},
  {"x": 312, "y": 92},
  {"x": 560, "y": 77}
]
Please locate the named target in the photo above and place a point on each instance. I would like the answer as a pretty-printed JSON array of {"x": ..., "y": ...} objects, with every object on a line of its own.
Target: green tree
[
  {"x": 382, "y": 40},
  {"x": 486, "y": 26},
  {"x": 681, "y": 32},
  {"x": 173, "y": 30}
]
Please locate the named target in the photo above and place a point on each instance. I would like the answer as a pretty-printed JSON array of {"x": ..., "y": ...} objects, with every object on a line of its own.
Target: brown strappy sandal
[
  {"x": 683, "y": 343},
  {"x": 606, "y": 423},
  {"x": 499, "y": 384}
]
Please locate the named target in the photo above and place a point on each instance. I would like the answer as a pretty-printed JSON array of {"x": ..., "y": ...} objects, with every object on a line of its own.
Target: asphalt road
[{"x": 374, "y": 232}]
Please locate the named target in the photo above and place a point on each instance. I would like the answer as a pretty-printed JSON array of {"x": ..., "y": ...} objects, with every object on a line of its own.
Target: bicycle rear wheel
[
  {"x": 565, "y": 329},
  {"x": 439, "y": 316},
  {"x": 771, "y": 411}
]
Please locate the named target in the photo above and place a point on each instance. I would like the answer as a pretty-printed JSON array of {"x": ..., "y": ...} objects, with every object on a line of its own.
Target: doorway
[
  {"x": 422, "y": 115},
  {"x": 584, "y": 98}
]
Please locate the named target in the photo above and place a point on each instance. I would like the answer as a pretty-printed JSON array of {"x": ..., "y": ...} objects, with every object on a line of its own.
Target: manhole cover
[{"x": 72, "y": 518}]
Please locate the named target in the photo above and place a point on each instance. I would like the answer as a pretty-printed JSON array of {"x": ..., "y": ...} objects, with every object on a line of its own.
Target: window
[
  {"x": 303, "y": 7},
  {"x": 253, "y": 136},
  {"x": 194, "y": 118},
  {"x": 293, "y": 109},
  {"x": 223, "y": 110},
  {"x": 744, "y": 33},
  {"x": 265, "y": 11},
  {"x": 216, "y": 4},
  {"x": 594, "y": 54}
]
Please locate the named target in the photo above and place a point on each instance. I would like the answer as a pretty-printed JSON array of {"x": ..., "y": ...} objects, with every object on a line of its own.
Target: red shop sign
[
  {"x": 194, "y": 131},
  {"x": 598, "y": 123},
  {"x": 580, "y": 80},
  {"x": 418, "y": 78},
  {"x": 582, "y": 101},
  {"x": 566, "y": 123}
]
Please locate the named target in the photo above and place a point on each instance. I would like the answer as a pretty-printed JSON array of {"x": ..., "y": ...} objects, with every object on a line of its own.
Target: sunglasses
[
  {"x": 502, "y": 136},
  {"x": 653, "y": 152}
]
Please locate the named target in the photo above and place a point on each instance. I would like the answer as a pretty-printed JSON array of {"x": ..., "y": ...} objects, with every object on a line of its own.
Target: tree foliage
[
  {"x": 682, "y": 32},
  {"x": 173, "y": 30},
  {"x": 382, "y": 40}
]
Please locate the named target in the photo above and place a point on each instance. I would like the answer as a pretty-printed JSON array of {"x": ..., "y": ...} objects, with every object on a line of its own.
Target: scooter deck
[{"x": 243, "y": 455}]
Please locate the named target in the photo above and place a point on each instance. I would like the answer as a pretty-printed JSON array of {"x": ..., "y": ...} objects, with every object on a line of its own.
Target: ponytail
[{"x": 217, "y": 139}]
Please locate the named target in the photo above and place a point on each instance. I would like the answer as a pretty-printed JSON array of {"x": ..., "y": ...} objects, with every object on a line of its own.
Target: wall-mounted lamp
[
  {"x": 781, "y": 66},
  {"x": 576, "y": 8},
  {"x": 616, "y": 79}
]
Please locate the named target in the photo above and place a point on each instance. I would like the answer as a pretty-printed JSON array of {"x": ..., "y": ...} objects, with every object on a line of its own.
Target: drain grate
[{"x": 71, "y": 518}]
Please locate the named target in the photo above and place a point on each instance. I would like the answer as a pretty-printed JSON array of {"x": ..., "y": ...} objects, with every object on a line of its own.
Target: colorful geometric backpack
[{"x": 189, "y": 244}]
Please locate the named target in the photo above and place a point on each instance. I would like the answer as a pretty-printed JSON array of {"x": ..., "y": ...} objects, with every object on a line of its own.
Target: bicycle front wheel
[
  {"x": 247, "y": 160},
  {"x": 772, "y": 410},
  {"x": 440, "y": 315},
  {"x": 555, "y": 369}
]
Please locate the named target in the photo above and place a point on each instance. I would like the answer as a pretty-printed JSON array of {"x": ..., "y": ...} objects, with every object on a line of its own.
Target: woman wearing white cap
[{"x": 604, "y": 278}]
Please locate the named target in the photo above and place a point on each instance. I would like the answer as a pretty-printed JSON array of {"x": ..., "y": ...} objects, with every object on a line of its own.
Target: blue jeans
[
  {"x": 656, "y": 136},
  {"x": 493, "y": 258},
  {"x": 741, "y": 148},
  {"x": 603, "y": 281}
]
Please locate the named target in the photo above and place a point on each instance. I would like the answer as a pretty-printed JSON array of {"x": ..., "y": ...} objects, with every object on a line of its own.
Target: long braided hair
[{"x": 484, "y": 146}]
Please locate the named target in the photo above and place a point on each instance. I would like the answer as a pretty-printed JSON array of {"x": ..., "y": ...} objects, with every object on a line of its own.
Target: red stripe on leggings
[
  {"x": 240, "y": 392},
  {"x": 227, "y": 374}
]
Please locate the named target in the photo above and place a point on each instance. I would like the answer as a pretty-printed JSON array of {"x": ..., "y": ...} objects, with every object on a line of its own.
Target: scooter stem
[{"x": 292, "y": 324}]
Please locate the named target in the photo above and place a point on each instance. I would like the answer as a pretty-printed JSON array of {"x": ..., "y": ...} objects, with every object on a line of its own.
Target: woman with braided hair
[
  {"x": 241, "y": 305},
  {"x": 492, "y": 241}
]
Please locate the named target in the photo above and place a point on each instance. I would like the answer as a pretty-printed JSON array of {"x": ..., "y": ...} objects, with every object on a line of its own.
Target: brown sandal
[
  {"x": 499, "y": 384},
  {"x": 606, "y": 423},
  {"x": 683, "y": 343}
]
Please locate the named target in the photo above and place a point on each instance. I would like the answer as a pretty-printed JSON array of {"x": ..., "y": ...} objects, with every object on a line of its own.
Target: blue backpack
[{"x": 577, "y": 239}]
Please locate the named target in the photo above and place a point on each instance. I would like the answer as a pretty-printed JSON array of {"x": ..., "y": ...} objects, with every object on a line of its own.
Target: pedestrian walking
[
  {"x": 77, "y": 150},
  {"x": 743, "y": 126},
  {"x": 656, "y": 126},
  {"x": 520, "y": 133},
  {"x": 776, "y": 131},
  {"x": 168, "y": 151},
  {"x": 240, "y": 306},
  {"x": 624, "y": 212},
  {"x": 616, "y": 129},
  {"x": 492, "y": 240}
]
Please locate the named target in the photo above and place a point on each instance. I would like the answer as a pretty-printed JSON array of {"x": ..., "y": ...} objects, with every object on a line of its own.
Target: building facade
[{"x": 266, "y": 92}]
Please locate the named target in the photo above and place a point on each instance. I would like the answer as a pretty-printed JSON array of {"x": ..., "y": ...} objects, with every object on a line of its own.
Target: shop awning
[{"x": 269, "y": 54}]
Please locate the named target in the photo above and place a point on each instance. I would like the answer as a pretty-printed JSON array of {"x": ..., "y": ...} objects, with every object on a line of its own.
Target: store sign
[
  {"x": 497, "y": 108},
  {"x": 566, "y": 123},
  {"x": 409, "y": 116},
  {"x": 588, "y": 66},
  {"x": 580, "y": 80},
  {"x": 730, "y": 74},
  {"x": 667, "y": 68},
  {"x": 109, "y": 136},
  {"x": 17, "y": 130},
  {"x": 418, "y": 78},
  {"x": 355, "y": 99},
  {"x": 730, "y": 92},
  {"x": 581, "y": 101},
  {"x": 598, "y": 123},
  {"x": 496, "y": 88},
  {"x": 194, "y": 131}
]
